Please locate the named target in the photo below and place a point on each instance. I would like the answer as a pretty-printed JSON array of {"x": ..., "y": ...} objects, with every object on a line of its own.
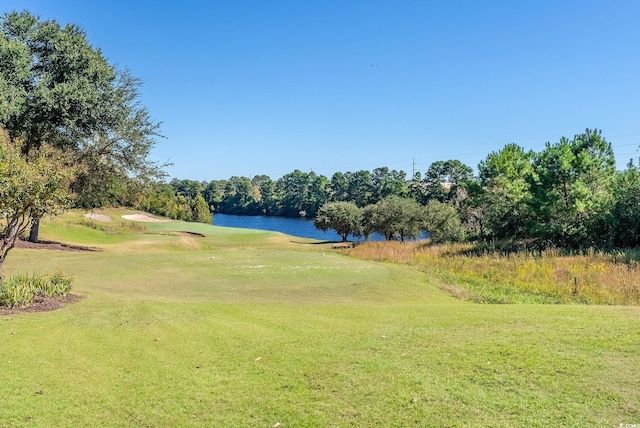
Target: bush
[{"x": 21, "y": 289}]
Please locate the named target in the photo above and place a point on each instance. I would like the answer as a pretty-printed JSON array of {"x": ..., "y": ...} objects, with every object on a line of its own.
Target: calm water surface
[{"x": 291, "y": 226}]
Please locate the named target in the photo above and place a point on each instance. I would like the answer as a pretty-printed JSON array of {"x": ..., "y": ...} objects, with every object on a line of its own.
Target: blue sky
[{"x": 267, "y": 87}]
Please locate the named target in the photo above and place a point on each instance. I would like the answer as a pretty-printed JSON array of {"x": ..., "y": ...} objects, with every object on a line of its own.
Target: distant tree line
[
  {"x": 302, "y": 194},
  {"x": 567, "y": 195}
]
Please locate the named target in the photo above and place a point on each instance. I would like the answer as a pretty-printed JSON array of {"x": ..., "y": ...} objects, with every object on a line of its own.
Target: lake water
[{"x": 291, "y": 226}]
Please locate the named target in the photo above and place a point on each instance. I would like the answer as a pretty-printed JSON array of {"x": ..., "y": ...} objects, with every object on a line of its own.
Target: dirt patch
[
  {"x": 42, "y": 304},
  {"x": 51, "y": 245}
]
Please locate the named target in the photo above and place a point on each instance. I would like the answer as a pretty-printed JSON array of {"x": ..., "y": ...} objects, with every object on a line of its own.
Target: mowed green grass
[{"x": 251, "y": 328}]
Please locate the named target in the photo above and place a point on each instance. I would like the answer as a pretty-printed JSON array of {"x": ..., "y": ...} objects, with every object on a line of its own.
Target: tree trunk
[
  {"x": 35, "y": 228},
  {"x": 6, "y": 244}
]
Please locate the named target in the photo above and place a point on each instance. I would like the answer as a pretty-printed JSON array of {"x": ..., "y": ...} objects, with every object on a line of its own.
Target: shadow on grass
[{"x": 334, "y": 244}]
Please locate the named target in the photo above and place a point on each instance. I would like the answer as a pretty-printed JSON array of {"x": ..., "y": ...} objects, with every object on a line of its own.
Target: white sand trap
[
  {"x": 142, "y": 217},
  {"x": 99, "y": 217}
]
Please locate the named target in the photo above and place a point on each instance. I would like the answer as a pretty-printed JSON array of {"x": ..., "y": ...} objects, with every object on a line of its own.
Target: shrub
[{"x": 21, "y": 289}]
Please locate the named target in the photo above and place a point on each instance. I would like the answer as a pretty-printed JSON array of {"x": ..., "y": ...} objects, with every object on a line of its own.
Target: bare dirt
[
  {"x": 42, "y": 304},
  {"x": 52, "y": 245}
]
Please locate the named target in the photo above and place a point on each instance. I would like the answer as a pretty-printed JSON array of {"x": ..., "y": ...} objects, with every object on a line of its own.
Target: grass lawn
[{"x": 251, "y": 328}]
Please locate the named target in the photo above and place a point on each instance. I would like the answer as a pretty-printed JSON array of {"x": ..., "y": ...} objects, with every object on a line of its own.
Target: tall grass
[
  {"x": 549, "y": 276},
  {"x": 21, "y": 289}
]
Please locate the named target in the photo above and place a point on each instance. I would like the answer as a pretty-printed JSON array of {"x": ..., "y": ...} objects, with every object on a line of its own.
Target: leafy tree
[
  {"x": 359, "y": 188},
  {"x": 302, "y": 194},
  {"x": 269, "y": 197},
  {"x": 443, "y": 178},
  {"x": 28, "y": 189},
  {"x": 190, "y": 189},
  {"x": 395, "y": 218},
  {"x": 472, "y": 205},
  {"x": 416, "y": 188},
  {"x": 163, "y": 200},
  {"x": 386, "y": 183},
  {"x": 339, "y": 188},
  {"x": 343, "y": 217},
  {"x": 442, "y": 222},
  {"x": 200, "y": 210},
  {"x": 213, "y": 193},
  {"x": 571, "y": 188},
  {"x": 624, "y": 217},
  {"x": 239, "y": 197},
  {"x": 506, "y": 178},
  {"x": 98, "y": 185},
  {"x": 318, "y": 193},
  {"x": 59, "y": 90}
]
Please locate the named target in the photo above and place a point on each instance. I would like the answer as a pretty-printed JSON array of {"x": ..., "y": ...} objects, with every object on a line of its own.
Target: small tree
[
  {"x": 442, "y": 222},
  {"x": 200, "y": 210},
  {"x": 343, "y": 217},
  {"x": 394, "y": 217},
  {"x": 28, "y": 190}
]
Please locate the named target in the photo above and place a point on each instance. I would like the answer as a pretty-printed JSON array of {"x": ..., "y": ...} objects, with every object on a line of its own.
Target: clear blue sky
[{"x": 267, "y": 87}]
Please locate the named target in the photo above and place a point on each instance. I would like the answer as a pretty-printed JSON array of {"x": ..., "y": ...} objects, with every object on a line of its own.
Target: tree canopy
[
  {"x": 567, "y": 195},
  {"x": 395, "y": 218},
  {"x": 28, "y": 189},
  {"x": 345, "y": 218},
  {"x": 59, "y": 90}
]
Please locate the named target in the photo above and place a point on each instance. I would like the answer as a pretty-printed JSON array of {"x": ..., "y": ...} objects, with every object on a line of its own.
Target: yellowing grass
[{"x": 526, "y": 277}]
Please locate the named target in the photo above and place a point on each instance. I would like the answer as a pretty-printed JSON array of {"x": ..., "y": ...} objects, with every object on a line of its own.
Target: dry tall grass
[{"x": 550, "y": 276}]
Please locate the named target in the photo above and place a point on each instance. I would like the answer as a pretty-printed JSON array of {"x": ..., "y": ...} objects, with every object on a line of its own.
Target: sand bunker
[
  {"x": 98, "y": 217},
  {"x": 142, "y": 217}
]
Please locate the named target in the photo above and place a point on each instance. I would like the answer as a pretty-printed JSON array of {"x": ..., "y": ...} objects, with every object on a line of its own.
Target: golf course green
[{"x": 185, "y": 324}]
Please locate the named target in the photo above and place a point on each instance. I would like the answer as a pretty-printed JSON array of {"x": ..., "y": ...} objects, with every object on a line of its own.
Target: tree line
[
  {"x": 74, "y": 134},
  {"x": 567, "y": 195}
]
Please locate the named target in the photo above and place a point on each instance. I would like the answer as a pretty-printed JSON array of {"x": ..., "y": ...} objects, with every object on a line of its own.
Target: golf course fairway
[{"x": 184, "y": 324}]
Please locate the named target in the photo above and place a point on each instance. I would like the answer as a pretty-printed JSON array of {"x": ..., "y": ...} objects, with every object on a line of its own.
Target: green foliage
[
  {"x": 623, "y": 220},
  {"x": 28, "y": 189},
  {"x": 163, "y": 200},
  {"x": 386, "y": 183},
  {"x": 506, "y": 177},
  {"x": 21, "y": 289},
  {"x": 240, "y": 197},
  {"x": 200, "y": 210},
  {"x": 187, "y": 188},
  {"x": 395, "y": 218},
  {"x": 571, "y": 188},
  {"x": 442, "y": 222},
  {"x": 343, "y": 217},
  {"x": 60, "y": 91},
  {"x": 443, "y": 179},
  {"x": 302, "y": 193},
  {"x": 568, "y": 195}
]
